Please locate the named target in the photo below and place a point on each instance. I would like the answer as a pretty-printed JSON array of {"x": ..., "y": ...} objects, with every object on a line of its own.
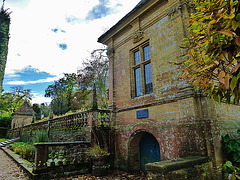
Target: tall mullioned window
[{"x": 142, "y": 72}]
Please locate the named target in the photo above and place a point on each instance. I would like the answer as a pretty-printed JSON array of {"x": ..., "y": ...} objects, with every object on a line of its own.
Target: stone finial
[{"x": 94, "y": 97}]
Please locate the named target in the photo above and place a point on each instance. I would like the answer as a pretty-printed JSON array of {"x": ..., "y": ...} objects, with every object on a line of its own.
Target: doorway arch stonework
[{"x": 134, "y": 150}]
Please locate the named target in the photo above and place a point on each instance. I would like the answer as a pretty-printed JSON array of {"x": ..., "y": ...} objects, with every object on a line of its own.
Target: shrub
[
  {"x": 231, "y": 148},
  {"x": 40, "y": 136},
  {"x": 25, "y": 150},
  {"x": 3, "y": 139},
  {"x": 97, "y": 151},
  {"x": 231, "y": 172}
]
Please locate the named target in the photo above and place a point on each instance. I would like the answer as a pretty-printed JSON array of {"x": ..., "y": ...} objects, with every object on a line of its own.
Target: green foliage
[
  {"x": 25, "y": 150},
  {"x": 213, "y": 49},
  {"x": 73, "y": 91},
  {"x": 4, "y": 37},
  {"x": 105, "y": 166},
  {"x": 36, "y": 136},
  {"x": 5, "y": 123},
  {"x": 45, "y": 110},
  {"x": 37, "y": 110},
  {"x": 231, "y": 148},
  {"x": 3, "y": 132},
  {"x": 26, "y": 137},
  {"x": 11, "y": 101},
  {"x": 40, "y": 136},
  {"x": 61, "y": 93},
  {"x": 3, "y": 139},
  {"x": 96, "y": 150},
  {"x": 231, "y": 172}
]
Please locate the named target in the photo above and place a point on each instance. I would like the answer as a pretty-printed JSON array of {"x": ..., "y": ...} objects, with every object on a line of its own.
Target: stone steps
[{"x": 2, "y": 144}]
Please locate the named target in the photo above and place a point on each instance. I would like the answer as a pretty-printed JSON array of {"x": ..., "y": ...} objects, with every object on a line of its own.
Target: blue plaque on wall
[{"x": 142, "y": 113}]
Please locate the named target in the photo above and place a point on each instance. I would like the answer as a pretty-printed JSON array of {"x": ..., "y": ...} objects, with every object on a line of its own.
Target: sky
[{"x": 51, "y": 37}]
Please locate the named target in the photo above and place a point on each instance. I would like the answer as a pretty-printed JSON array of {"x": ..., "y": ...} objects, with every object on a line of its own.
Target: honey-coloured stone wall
[{"x": 183, "y": 121}]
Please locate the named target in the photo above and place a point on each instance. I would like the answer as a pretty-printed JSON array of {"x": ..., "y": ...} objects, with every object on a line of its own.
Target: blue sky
[{"x": 51, "y": 37}]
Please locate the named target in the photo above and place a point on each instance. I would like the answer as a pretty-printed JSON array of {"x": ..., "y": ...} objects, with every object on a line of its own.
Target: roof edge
[{"x": 140, "y": 4}]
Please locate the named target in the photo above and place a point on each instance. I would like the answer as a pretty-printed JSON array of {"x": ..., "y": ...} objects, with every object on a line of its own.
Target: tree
[
  {"x": 95, "y": 71},
  {"x": 213, "y": 49},
  {"x": 11, "y": 101},
  {"x": 45, "y": 110},
  {"x": 4, "y": 38},
  {"x": 37, "y": 110},
  {"x": 61, "y": 93}
]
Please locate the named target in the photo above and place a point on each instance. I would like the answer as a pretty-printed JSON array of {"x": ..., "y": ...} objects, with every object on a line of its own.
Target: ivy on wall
[{"x": 4, "y": 38}]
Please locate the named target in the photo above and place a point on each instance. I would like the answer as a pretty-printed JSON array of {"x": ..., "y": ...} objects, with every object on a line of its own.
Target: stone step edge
[{"x": 21, "y": 163}]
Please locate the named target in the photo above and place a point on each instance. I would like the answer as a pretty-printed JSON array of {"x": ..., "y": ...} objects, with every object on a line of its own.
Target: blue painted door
[{"x": 149, "y": 150}]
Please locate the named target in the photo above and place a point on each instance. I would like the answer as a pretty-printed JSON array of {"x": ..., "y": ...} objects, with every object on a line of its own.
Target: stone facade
[
  {"x": 22, "y": 116},
  {"x": 184, "y": 122}
]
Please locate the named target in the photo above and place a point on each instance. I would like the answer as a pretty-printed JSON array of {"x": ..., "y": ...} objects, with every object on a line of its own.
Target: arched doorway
[
  {"x": 149, "y": 150},
  {"x": 143, "y": 148}
]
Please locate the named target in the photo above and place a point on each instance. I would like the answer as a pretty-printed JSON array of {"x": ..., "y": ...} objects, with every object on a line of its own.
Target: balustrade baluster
[{"x": 85, "y": 122}]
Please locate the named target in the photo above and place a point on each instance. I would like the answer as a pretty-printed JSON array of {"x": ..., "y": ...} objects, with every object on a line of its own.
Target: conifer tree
[{"x": 4, "y": 38}]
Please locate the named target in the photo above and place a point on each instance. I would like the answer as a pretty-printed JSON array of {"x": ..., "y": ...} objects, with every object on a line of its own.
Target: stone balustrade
[
  {"x": 83, "y": 119},
  {"x": 69, "y": 154}
]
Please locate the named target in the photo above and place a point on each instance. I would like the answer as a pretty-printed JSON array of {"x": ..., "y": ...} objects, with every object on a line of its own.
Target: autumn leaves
[{"x": 213, "y": 49}]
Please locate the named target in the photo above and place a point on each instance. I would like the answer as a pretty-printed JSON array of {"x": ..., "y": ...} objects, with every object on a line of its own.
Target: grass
[{"x": 3, "y": 139}]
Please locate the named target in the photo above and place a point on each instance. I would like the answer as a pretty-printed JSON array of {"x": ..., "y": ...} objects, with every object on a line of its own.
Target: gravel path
[
  {"x": 9, "y": 169},
  {"x": 114, "y": 175}
]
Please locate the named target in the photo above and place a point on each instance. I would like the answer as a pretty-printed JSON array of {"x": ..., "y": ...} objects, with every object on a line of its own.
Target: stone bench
[{"x": 181, "y": 168}]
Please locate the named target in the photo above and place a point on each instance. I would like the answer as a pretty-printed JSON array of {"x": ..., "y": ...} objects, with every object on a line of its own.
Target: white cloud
[
  {"x": 51, "y": 79},
  {"x": 33, "y": 39},
  {"x": 33, "y": 43},
  {"x": 39, "y": 98}
]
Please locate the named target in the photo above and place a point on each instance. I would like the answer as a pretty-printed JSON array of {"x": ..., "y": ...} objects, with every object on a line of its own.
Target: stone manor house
[{"x": 157, "y": 115}]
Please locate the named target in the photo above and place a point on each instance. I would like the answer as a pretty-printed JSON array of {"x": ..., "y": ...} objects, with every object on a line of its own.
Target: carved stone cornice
[
  {"x": 110, "y": 52},
  {"x": 175, "y": 10}
]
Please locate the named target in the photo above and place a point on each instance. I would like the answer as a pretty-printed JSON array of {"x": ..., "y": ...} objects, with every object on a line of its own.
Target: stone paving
[
  {"x": 114, "y": 175},
  {"x": 9, "y": 169}
]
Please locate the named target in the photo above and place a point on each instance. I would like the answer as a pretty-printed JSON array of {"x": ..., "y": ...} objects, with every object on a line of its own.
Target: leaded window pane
[
  {"x": 138, "y": 84},
  {"x": 146, "y": 51},
  {"x": 148, "y": 78},
  {"x": 137, "y": 58}
]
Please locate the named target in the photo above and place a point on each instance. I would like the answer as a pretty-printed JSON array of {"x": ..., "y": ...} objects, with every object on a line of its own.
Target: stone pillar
[
  {"x": 110, "y": 54},
  {"x": 212, "y": 136},
  {"x": 41, "y": 156}
]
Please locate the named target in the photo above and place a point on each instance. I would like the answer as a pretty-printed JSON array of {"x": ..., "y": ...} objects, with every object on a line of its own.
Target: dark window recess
[
  {"x": 137, "y": 58},
  {"x": 146, "y": 51},
  {"x": 148, "y": 78},
  {"x": 142, "y": 72},
  {"x": 138, "y": 84}
]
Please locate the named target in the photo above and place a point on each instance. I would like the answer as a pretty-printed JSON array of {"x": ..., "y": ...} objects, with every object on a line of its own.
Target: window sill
[{"x": 143, "y": 96}]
